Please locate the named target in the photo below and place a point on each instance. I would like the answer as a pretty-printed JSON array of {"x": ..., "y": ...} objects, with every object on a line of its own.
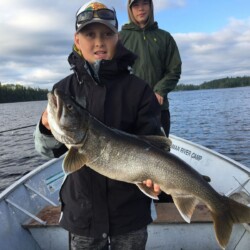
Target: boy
[
  {"x": 96, "y": 210},
  {"x": 158, "y": 62}
]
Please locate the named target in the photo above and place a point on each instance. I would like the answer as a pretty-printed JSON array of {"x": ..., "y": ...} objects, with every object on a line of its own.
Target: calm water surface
[
  {"x": 17, "y": 152},
  {"x": 217, "y": 119}
]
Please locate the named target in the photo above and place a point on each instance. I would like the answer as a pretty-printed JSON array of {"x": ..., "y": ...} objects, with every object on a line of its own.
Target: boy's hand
[
  {"x": 159, "y": 98},
  {"x": 45, "y": 119},
  {"x": 156, "y": 188}
]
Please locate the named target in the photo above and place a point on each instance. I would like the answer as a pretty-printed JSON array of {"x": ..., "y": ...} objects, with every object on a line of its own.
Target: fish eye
[{"x": 69, "y": 106}]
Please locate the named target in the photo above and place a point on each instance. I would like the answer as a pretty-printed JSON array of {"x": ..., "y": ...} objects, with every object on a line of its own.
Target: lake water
[{"x": 217, "y": 119}]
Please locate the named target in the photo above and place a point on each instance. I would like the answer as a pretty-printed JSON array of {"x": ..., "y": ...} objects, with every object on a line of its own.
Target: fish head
[{"x": 67, "y": 119}]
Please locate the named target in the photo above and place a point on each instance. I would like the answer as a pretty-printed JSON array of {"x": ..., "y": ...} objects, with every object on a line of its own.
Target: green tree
[
  {"x": 20, "y": 93},
  {"x": 228, "y": 82}
]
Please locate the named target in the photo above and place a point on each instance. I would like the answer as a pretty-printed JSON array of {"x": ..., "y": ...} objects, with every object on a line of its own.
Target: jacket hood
[
  {"x": 150, "y": 19},
  {"x": 133, "y": 26},
  {"x": 124, "y": 57}
]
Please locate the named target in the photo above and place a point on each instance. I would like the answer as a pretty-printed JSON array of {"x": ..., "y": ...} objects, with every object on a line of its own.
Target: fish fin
[
  {"x": 73, "y": 161},
  {"x": 234, "y": 212},
  {"x": 186, "y": 205},
  {"x": 158, "y": 141},
  {"x": 147, "y": 191},
  {"x": 223, "y": 228}
]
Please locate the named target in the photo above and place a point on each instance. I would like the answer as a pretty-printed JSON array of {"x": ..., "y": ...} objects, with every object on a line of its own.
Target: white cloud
[
  {"x": 32, "y": 20},
  {"x": 36, "y": 38},
  {"x": 38, "y": 75},
  {"x": 219, "y": 54},
  {"x": 160, "y": 5}
]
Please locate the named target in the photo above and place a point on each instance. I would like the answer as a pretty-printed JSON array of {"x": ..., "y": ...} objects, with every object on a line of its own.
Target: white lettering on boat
[{"x": 187, "y": 152}]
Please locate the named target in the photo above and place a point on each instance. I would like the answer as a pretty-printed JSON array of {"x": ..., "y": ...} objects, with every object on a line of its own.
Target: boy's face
[
  {"x": 141, "y": 10},
  {"x": 96, "y": 42}
]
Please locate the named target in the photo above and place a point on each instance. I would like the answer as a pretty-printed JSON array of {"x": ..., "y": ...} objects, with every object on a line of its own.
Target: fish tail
[{"x": 233, "y": 213}]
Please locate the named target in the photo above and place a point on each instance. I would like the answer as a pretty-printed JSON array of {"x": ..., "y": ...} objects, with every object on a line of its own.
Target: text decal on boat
[
  {"x": 54, "y": 182},
  {"x": 186, "y": 152}
]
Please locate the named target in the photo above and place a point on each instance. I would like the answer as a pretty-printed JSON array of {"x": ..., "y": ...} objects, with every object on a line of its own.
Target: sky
[{"x": 36, "y": 37}]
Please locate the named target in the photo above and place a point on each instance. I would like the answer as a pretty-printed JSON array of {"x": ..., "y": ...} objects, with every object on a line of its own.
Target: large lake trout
[{"x": 134, "y": 159}]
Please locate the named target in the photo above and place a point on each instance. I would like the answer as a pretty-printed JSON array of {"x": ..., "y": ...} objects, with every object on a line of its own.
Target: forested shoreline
[
  {"x": 20, "y": 93},
  {"x": 228, "y": 82}
]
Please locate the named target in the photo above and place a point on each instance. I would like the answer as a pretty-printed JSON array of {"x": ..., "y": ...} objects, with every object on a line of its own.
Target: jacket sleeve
[
  {"x": 148, "y": 114},
  {"x": 172, "y": 70},
  {"x": 46, "y": 144}
]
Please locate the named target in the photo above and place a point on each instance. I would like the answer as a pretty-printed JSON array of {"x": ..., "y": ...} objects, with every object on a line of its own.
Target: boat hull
[{"x": 22, "y": 201}]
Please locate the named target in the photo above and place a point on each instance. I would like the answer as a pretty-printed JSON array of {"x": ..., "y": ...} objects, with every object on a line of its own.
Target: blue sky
[
  {"x": 202, "y": 15},
  {"x": 36, "y": 37}
]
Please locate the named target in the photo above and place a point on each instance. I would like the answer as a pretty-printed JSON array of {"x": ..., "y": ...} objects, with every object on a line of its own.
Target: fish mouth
[
  {"x": 58, "y": 104},
  {"x": 55, "y": 103}
]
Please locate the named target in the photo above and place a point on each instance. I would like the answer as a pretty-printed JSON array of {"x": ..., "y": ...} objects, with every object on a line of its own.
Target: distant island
[
  {"x": 20, "y": 93},
  {"x": 228, "y": 82}
]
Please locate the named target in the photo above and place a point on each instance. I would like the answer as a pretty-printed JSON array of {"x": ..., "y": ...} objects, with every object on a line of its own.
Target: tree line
[
  {"x": 19, "y": 93},
  {"x": 228, "y": 82}
]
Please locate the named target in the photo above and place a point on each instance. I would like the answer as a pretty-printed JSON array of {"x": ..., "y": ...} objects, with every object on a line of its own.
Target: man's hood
[
  {"x": 150, "y": 19},
  {"x": 133, "y": 26}
]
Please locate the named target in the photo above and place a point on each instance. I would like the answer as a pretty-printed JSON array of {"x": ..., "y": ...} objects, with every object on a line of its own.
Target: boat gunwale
[
  {"x": 10, "y": 189},
  {"x": 213, "y": 152}
]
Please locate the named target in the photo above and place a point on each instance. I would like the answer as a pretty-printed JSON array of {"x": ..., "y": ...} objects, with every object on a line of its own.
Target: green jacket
[{"x": 159, "y": 61}]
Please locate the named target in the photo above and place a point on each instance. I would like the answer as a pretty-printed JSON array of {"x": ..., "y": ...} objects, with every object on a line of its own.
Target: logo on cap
[{"x": 96, "y": 6}]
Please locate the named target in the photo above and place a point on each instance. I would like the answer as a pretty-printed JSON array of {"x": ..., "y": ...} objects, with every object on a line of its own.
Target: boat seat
[
  {"x": 166, "y": 213},
  {"x": 49, "y": 235},
  {"x": 49, "y": 214}
]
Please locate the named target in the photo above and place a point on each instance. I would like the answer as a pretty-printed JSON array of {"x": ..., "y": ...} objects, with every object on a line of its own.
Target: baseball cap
[
  {"x": 131, "y": 2},
  {"x": 96, "y": 12},
  {"x": 134, "y": 1}
]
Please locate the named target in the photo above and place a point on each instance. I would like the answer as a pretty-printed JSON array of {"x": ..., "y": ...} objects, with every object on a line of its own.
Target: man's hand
[
  {"x": 45, "y": 119},
  {"x": 159, "y": 98},
  {"x": 155, "y": 187}
]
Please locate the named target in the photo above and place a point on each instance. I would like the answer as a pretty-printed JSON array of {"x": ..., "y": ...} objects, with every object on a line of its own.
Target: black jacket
[{"x": 92, "y": 204}]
